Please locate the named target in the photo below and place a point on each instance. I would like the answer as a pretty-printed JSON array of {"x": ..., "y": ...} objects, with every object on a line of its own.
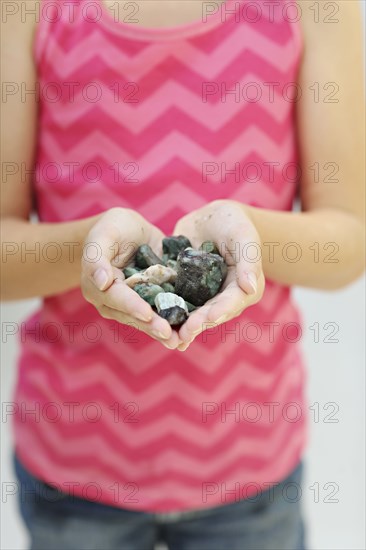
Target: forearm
[
  {"x": 41, "y": 259},
  {"x": 321, "y": 249}
]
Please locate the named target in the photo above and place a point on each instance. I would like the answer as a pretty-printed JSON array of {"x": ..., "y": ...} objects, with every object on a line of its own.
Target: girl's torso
[{"x": 163, "y": 120}]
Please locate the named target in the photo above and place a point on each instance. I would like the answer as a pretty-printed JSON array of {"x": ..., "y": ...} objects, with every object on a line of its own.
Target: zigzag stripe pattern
[{"x": 217, "y": 96}]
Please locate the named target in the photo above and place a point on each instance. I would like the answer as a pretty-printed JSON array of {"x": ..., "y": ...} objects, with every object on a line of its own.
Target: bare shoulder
[
  {"x": 18, "y": 29},
  {"x": 19, "y": 20},
  {"x": 325, "y": 22}
]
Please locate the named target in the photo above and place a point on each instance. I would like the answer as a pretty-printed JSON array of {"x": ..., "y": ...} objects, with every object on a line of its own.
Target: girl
[{"x": 127, "y": 121}]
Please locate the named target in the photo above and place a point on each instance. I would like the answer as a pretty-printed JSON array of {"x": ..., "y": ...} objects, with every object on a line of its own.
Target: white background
[{"x": 336, "y": 452}]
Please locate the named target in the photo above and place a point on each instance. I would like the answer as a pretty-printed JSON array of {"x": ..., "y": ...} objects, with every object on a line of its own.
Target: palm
[{"x": 228, "y": 225}]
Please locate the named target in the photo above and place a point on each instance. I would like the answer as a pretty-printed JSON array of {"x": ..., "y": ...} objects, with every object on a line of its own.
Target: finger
[
  {"x": 152, "y": 329},
  {"x": 98, "y": 252},
  {"x": 121, "y": 297},
  {"x": 195, "y": 324},
  {"x": 118, "y": 296},
  {"x": 222, "y": 308},
  {"x": 247, "y": 257},
  {"x": 230, "y": 304},
  {"x": 156, "y": 241}
]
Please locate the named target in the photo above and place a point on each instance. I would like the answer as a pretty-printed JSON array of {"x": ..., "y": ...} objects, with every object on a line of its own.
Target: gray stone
[{"x": 200, "y": 275}]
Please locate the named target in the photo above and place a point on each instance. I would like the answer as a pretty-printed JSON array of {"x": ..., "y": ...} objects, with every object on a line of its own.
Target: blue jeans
[{"x": 57, "y": 521}]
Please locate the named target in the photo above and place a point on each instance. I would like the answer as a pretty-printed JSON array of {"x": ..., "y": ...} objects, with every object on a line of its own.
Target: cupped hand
[
  {"x": 108, "y": 248},
  {"x": 227, "y": 223}
]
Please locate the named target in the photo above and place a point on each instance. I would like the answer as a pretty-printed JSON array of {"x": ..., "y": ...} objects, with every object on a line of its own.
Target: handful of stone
[{"x": 180, "y": 281}]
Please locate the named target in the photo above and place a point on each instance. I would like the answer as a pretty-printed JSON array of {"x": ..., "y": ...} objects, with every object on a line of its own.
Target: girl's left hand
[{"x": 228, "y": 225}]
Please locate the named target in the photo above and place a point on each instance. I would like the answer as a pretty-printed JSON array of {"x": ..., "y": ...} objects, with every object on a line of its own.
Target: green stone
[
  {"x": 172, "y": 264},
  {"x": 173, "y": 245},
  {"x": 200, "y": 275},
  {"x": 128, "y": 271},
  {"x": 190, "y": 307},
  {"x": 148, "y": 292},
  {"x": 146, "y": 257},
  {"x": 168, "y": 287},
  {"x": 209, "y": 246}
]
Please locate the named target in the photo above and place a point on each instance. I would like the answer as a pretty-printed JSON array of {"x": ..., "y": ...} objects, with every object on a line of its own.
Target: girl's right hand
[{"x": 108, "y": 248}]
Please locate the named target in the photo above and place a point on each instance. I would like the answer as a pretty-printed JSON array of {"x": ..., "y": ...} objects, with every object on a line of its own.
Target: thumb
[
  {"x": 98, "y": 253},
  {"x": 249, "y": 261}
]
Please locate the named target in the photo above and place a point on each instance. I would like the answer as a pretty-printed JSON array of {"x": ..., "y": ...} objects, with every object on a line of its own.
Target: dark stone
[
  {"x": 200, "y": 275},
  {"x": 209, "y": 246},
  {"x": 174, "y": 315},
  {"x": 171, "y": 307},
  {"x": 148, "y": 292},
  {"x": 173, "y": 245},
  {"x": 146, "y": 257}
]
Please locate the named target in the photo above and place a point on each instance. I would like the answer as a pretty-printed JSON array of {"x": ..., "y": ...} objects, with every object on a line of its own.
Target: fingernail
[
  {"x": 100, "y": 278},
  {"x": 160, "y": 334},
  {"x": 252, "y": 280},
  {"x": 167, "y": 346},
  {"x": 183, "y": 348},
  {"x": 142, "y": 317},
  {"x": 221, "y": 320}
]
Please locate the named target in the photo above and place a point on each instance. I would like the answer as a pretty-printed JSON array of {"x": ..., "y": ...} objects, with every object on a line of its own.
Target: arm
[
  {"x": 327, "y": 132},
  {"x": 27, "y": 275},
  {"x": 332, "y": 213}
]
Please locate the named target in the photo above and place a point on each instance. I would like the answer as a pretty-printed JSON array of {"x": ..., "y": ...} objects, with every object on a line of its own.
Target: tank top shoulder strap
[{"x": 57, "y": 17}]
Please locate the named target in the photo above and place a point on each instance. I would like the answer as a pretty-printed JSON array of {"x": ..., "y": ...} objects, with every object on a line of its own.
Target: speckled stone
[
  {"x": 209, "y": 246},
  {"x": 200, "y": 275},
  {"x": 155, "y": 274},
  {"x": 173, "y": 245},
  {"x": 146, "y": 257},
  {"x": 172, "y": 308},
  {"x": 148, "y": 292}
]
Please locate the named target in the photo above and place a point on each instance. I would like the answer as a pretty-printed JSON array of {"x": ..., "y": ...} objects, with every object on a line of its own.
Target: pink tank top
[{"x": 163, "y": 121}]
